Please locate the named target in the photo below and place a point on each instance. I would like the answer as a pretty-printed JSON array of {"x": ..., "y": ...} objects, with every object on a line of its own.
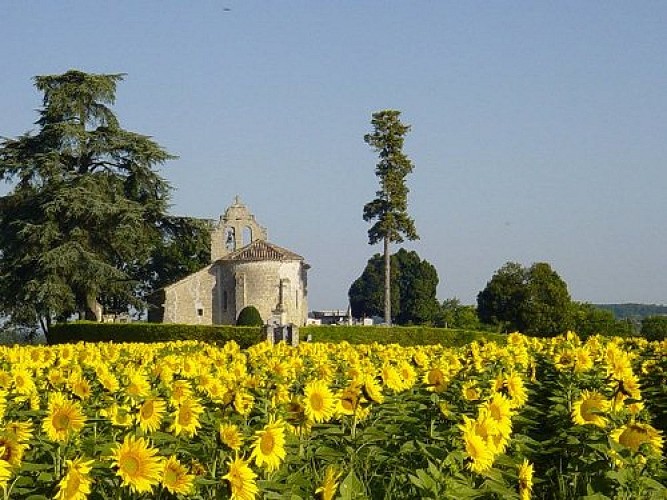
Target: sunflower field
[{"x": 535, "y": 418}]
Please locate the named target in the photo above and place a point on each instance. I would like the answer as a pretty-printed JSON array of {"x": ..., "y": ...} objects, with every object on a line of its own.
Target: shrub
[
  {"x": 249, "y": 316},
  {"x": 654, "y": 328}
]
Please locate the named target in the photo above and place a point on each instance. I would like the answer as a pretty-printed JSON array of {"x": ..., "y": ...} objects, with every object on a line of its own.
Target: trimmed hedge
[
  {"x": 403, "y": 335},
  {"x": 87, "y": 331},
  {"x": 247, "y": 336},
  {"x": 249, "y": 316}
]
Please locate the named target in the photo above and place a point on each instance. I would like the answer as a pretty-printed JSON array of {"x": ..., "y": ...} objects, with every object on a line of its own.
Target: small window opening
[
  {"x": 247, "y": 235},
  {"x": 200, "y": 312}
]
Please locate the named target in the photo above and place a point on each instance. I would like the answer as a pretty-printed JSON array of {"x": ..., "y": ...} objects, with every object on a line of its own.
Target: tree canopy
[
  {"x": 390, "y": 207},
  {"x": 414, "y": 283},
  {"x": 654, "y": 327},
  {"x": 86, "y": 206},
  {"x": 184, "y": 247},
  {"x": 453, "y": 314},
  {"x": 533, "y": 300}
]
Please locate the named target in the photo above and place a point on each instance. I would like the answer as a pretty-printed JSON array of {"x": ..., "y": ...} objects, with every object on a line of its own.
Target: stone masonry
[{"x": 246, "y": 270}]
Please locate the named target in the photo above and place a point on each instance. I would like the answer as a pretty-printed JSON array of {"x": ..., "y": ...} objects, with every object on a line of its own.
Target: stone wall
[
  {"x": 258, "y": 284},
  {"x": 236, "y": 228},
  {"x": 191, "y": 300}
]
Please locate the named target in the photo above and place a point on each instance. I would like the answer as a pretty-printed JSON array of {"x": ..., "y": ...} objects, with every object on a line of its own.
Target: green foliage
[
  {"x": 390, "y": 207},
  {"x": 402, "y": 335},
  {"x": 86, "y": 205},
  {"x": 501, "y": 302},
  {"x": 531, "y": 300},
  {"x": 414, "y": 283},
  {"x": 590, "y": 320},
  {"x": 88, "y": 331},
  {"x": 249, "y": 316},
  {"x": 634, "y": 311},
  {"x": 654, "y": 328},
  {"x": 453, "y": 314},
  {"x": 245, "y": 336},
  {"x": 184, "y": 248}
]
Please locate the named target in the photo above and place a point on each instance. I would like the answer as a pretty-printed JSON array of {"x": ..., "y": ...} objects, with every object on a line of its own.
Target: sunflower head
[
  {"x": 231, "y": 436},
  {"x": 241, "y": 480},
  {"x": 636, "y": 435},
  {"x": 64, "y": 418},
  {"x": 525, "y": 480},
  {"x": 175, "y": 477},
  {"x": 319, "y": 401},
  {"x": 329, "y": 485},
  {"x": 138, "y": 464},
  {"x": 590, "y": 408},
  {"x": 269, "y": 446},
  {"x": 75, "y": 485}
]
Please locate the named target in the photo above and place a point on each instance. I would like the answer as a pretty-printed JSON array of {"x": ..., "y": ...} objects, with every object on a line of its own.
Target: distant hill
[{"x": 633, "y": 311}]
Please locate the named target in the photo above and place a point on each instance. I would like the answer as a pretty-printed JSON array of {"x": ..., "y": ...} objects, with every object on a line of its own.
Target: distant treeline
[{"x": 633, "y": 311}]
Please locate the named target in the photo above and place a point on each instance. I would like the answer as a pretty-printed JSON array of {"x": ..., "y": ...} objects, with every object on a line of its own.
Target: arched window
[
  {"x": 230, "y": 239},
  {"x": 247, "y": 235}
]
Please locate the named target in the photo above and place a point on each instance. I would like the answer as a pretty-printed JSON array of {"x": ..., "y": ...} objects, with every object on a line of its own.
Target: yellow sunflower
[
  {"x": 525, "y": 480},
  {"x": 3, "y": 403},
  {"x": 80, "y": 386},
  {"x": 138, "y": 464},
  {"x": 20, "y": 431},
  {"x": 63, "y": 419},
  {"x": 231, "y": 436},
  {"x": 5, "y": 472},
  {"x": 175, "y": 477},
  {"x": 241, "y": 480},
  {"x": 348, "y": 400},
  {"x": 588, "y": 409},
  {"x": 436, "y": 380},
  {"x": 470, "y": 391},
  {"x": 408, "y": 374},
  {"x": 319, "y": 402},
  {"x": 12, "y": 450},
  {"x": 75, "y": 485},
  {"x": 186, "y": 418},
  {"x": 329, "y": 485},
  {"x": 180, "y": 391},
  {"x": 138, "y": 386},
  {"x": 480, "y": 453},
  {"x": 513, "y": 386},
  {"x": 150, "y": 414},
  {"x": 23, "y": 381},
  {"x": 635, "y": 434},
  {"x": 118, "y": 416},
  {"x": 498, "y": 410},
  {"x": 108, "y": 380},
  {"x": 5, "y": 380},
  {"x": 269, "y": 446},
  {"x": 243, "y": 402},
  {"x": 582, "y": 360},
  {"x": 372, "y": 390},
  {"x": 392, "y": 378}
]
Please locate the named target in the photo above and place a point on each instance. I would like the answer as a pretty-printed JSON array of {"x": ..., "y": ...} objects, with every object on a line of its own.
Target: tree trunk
[
  {"x": 45, "y": 323},
  {"x": 387, "y": 283}
]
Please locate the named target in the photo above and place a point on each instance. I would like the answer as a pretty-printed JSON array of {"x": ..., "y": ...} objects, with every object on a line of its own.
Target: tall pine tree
[
  {"x": 86, "y": 206},
  {"x": 390, "y": 207}
]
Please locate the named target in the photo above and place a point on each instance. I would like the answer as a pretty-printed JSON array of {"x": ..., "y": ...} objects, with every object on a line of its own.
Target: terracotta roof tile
[{"x": 262, "y": 250}]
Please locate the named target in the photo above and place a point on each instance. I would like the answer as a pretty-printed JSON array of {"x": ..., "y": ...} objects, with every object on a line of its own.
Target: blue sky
[{"x": 538, "y": 128}]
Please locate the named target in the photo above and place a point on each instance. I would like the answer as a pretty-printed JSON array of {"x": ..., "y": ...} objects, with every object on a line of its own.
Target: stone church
[{"x": 245, "y": 270}]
